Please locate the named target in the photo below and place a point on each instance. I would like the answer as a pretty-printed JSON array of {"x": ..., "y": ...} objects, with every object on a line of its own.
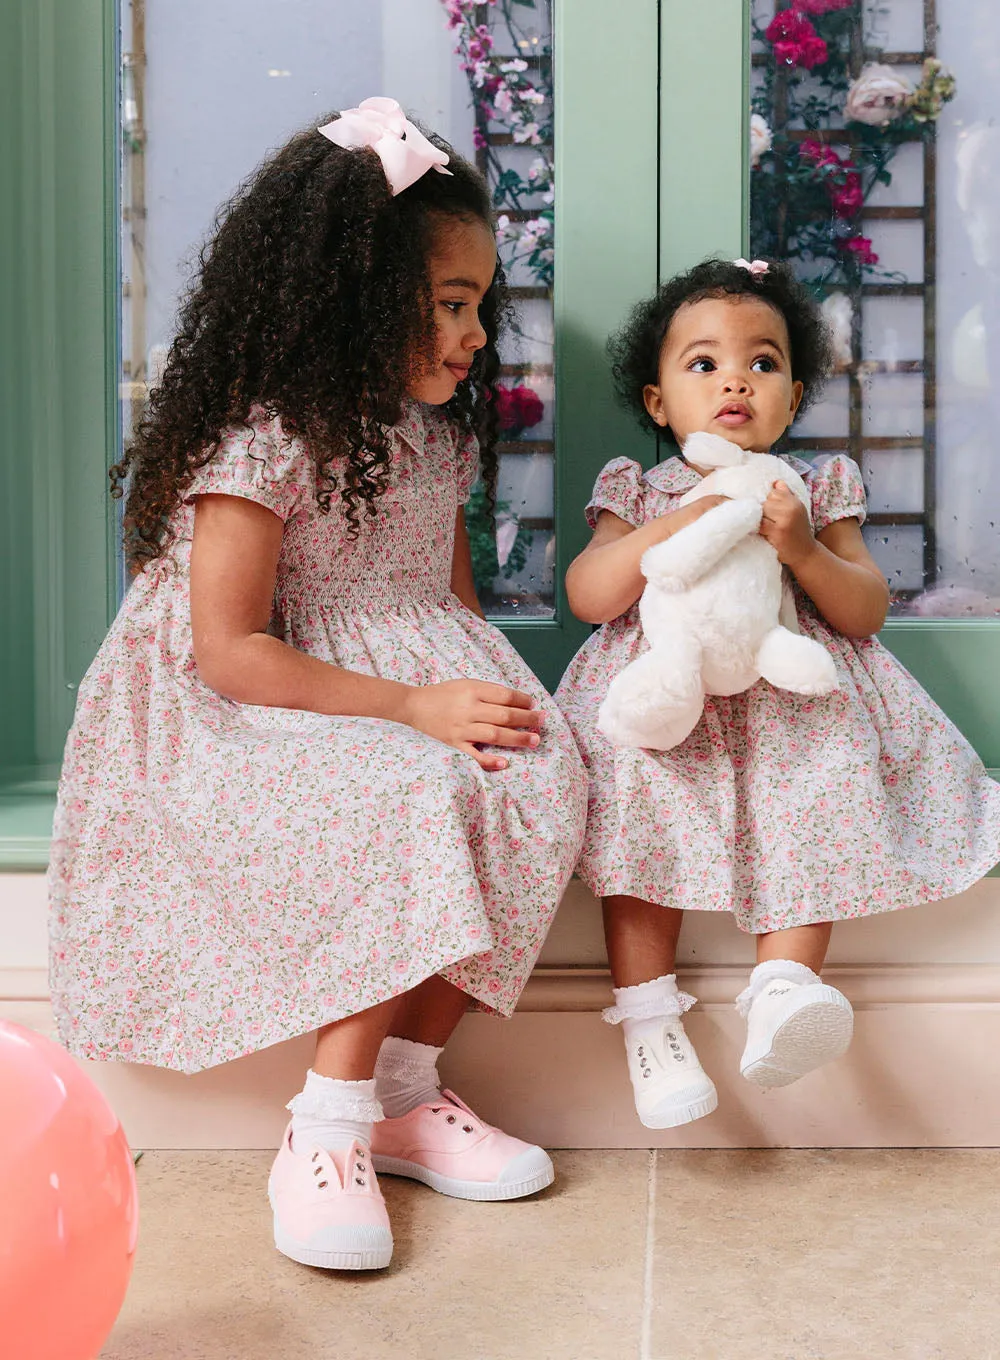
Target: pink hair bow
[
  {"x": 755, "y": 266},
  {"x": 380, "y": 123}
]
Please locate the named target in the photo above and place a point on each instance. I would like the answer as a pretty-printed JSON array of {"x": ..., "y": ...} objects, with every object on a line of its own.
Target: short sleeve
[
  {"x": 259, "y": 463},
  {"x": 619, "y": 489},
  {"x": 466, "y": 464},
  {"x": 837, "y": 492}
]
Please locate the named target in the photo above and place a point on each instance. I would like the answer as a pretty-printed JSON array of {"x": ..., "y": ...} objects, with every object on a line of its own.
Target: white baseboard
[{"x": 922, "y": 1071}]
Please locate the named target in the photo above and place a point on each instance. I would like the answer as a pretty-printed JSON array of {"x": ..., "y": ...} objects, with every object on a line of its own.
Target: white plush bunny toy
[{"x": 711, "y": 608}]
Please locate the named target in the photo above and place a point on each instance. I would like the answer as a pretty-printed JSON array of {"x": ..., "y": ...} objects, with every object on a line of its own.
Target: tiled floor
[{"x": 630, "y": 1256}]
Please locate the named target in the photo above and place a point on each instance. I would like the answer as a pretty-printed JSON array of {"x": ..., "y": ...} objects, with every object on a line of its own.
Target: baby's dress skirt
[
  {"x": 783, "y": 809},
  {"x": 225, "y": 876}
]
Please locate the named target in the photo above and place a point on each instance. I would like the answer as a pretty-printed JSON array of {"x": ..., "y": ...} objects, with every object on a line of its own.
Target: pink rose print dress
[
  {"x": 782, "y": 809},
  {"x": 225, "y": 876}
]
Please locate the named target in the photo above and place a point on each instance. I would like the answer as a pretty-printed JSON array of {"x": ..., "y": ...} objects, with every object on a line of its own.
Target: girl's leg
[
  {"x": 430, "y": 1136},
  {"x": 430, "y": 1013},
  {"x": 668, "y": 1082},
  {"x": 338, "y": 1103},
  {"x": 406, "y": 1074},
  {"x": 348, "y": 1048}
]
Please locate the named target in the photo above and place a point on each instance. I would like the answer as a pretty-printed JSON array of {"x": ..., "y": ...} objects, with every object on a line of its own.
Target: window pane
[
  {"x": 877, "y": 175},
  {"x": 209, "y": 89}
]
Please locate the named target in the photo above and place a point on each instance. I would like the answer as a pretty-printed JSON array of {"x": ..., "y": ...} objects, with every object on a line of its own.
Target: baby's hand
[
  {"x": 468, "y": 714},
  {"x": 785, "y": 525}
]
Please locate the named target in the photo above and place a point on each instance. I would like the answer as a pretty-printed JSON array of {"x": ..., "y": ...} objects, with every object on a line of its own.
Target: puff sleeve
[
  {"x": 619, "y": 489},
  {"x": 259, "y": 463},
  {"x": 837, "y": 492}
]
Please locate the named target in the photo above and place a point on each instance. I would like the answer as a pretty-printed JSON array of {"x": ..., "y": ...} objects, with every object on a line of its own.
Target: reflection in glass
[
  {"x": 871, "y": 174},
  {"x": 208, "y": 90}
]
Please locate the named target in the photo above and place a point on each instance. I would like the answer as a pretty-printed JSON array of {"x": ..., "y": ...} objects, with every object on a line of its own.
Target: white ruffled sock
[
  {"x": 406, "y": 1075},
  {"x": 333, "y": 1113},
  {"x": 786, "y": 969},
  {"x": 646, "y": 1005}
]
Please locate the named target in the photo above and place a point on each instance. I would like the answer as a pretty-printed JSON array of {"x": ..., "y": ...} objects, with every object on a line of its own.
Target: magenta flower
[
  {"x": 861, "y": 248},
  {"x": 795, "y": 41},
  {"x": 478, "y": 140},
  {"x": 812, "y": 149},
  {"x": 518, "y": 408},
  {"x": 848, "y": 198}
]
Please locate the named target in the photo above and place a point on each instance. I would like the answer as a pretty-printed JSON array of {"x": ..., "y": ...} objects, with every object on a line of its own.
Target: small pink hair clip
[
  {"x": 755, "y": 266},
  {"x": 405, "y": 153}
]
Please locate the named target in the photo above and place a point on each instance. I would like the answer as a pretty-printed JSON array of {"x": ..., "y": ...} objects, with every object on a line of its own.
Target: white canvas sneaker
[
  {"x": 793, "y": 1028},
  {"x": 671, "y": 1086}
]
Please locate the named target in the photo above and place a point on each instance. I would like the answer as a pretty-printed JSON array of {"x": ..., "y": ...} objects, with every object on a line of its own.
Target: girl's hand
[
  {"x": 785, "y": 525},
  {"x": 467, "y": 714}
]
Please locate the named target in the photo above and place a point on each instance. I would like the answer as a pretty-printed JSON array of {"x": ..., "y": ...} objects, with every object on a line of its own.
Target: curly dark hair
[
  {"x": 635, "y": 348},
  {"x": 311, "y": 301}
]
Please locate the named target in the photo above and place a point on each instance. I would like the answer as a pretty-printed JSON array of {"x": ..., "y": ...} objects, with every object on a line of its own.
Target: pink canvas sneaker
[
  {"x": 452, "y": 1150},
  {"x": 328, "y": 1209}
]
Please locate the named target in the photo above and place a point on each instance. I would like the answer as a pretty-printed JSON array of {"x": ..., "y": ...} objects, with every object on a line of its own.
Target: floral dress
[
  {"x": 783, "y": 809},
  {"x": 225, "y": 876}
]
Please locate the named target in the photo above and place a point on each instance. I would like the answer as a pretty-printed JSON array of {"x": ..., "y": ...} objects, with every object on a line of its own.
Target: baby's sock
[
  {"x": 406, "y": 1076},
  {"x": 644, "y": 1007},
  {"x": 333, "y": 1113},
  {"x": 787, "y": 970}
]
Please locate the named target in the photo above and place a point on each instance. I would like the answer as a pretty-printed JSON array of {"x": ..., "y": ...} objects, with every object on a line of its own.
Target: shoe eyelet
[
  {"x": 646, "y": 1073},
  {"x": 358, "y": 1181},
  {"x": 323, "y": 1185},
  {"x": 466, "y": 1128},
  {"x": 359, "y": 1166},
  {"x": 315, "y": 1156},
  {"x": 318, "y": 1171},
  {"x": 451, "y": 1119}
]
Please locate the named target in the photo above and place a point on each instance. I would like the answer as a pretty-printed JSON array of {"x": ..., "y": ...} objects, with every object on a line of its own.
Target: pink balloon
[{"x": 69, "y": 1215}]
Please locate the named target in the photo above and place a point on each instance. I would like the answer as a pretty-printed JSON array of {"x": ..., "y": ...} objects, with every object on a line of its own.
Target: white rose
[
  {"x": 760, "y": 138},
  {"x": 877, "y": 96},
  {"x": 838, "y": 313}
]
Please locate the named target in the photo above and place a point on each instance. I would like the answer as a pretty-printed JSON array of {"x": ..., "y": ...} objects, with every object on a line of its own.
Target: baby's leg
[
  {"x": 641, "y": 939},
  {"x": 795, "y": 1022},
  {"x": 668, "y": 1082}
]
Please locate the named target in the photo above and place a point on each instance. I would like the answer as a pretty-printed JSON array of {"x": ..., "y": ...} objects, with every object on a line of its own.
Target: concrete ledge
[{"x": 922, "y": 1071}]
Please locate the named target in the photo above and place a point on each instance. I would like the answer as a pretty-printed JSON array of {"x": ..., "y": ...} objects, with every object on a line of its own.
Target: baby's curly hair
[
  {"x": 312, "y": 301},
  {"x": 635, "y": 348}
]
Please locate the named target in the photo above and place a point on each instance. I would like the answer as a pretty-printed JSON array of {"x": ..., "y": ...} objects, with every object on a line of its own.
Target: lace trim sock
[
  {"x": 406, "y": 1075},
  {"x": 659, "y": 999},
  {"x": 333, "y": 1113},
  {"x": 767, "y": 972}
]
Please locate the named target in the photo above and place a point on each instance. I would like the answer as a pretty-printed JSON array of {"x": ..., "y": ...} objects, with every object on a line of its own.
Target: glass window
[
  {"x": 874, "y": 170},
  {"x": 208, "y": 89}
]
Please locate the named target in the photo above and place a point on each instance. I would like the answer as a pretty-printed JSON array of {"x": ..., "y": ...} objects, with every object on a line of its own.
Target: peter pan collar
[
  {"x": 410, "y": 425},
  {"x": 674, "y": 476}
]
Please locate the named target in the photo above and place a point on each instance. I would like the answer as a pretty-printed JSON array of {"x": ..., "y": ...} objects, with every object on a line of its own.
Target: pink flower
[{"x": 861, "y": 248}]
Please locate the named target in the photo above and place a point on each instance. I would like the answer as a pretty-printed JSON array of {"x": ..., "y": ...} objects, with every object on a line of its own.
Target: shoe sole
[
  {"x": 374, "y": 1256},
  {"x": 682, "y": 1114},
  {"x": 811, "y": 1036},
  {"x": 449, "y": 1185}
]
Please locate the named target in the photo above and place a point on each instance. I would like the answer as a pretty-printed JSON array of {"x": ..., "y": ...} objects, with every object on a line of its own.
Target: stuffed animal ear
[{"x": 712, "y": 451}]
